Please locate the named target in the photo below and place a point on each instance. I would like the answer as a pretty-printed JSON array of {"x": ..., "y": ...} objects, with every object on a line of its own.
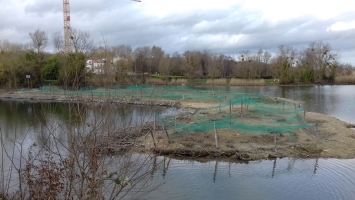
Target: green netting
[
  {"x": 233, "y": 108},
  {"x": 241, "y": 111}
]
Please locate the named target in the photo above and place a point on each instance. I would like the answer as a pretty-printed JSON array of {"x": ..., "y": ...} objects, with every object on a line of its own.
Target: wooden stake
[
  {"x": 304, "y": 116},
  {"x": 166, "y": 132},
  {"x": 241, "y": 109},
  {"x": 155, "y": 144},
  {"x": 219, "y": 108},
  {"x": 317, "y": 133},
  {"x": 155, "y": 118},
  {"x": 215, "y": 135},
  {"x": 230, "y": 111},
  {"x": 275, "y": 140}
]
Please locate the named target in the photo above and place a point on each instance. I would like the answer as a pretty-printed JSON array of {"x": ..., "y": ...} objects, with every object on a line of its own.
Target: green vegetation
[
  {"x": 316, "y": 64},
  {"x": 51, "y": 70}
]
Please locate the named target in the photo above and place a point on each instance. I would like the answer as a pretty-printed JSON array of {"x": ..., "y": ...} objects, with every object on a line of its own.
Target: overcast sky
[{"x": 222, "y": 26}]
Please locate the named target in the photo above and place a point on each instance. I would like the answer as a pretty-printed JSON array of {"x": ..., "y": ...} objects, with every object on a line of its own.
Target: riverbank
[{"x": 330, "y": 138}]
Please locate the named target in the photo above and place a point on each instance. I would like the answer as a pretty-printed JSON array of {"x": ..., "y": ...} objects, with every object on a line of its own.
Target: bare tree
[
  {"x": 245, "y": 59},
  {"x": 192, "y": 64},
  {"x": 156, "y": 55},
  {"x": 81, "y": 41},
  {"x": 11, "y": 63},
  {"x": 39, "y": 40},
  {"x": 58, "y": 42},
  {"x": 176, "y": 63},
  {"x": 141, "y": 57},
  {"x": 165, "y": 67},
  {"x": 324, "y": 62},
  {"x": 81, "y": 158},
  {"x": 266, "y": 57},
  {"x": 73, "y": 72},
  {"x": 283, "y": 64}
]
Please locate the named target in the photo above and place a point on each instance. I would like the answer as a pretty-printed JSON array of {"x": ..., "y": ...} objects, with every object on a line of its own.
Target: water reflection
[
  {"x": 285, "y": 178},
  {"x": 23, "y": 117}
]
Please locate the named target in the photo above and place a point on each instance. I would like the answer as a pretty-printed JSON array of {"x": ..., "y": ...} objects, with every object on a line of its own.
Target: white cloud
[
  {"x": 342, "y": 26},
  {"x": 281, "y": 10},
  {"x": 163, "y": 8}
]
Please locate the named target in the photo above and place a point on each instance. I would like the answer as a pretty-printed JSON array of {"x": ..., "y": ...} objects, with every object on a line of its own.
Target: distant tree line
[{"x": 315, "y": 64}]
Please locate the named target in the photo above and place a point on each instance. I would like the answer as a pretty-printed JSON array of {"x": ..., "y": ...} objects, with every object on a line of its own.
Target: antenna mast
[{"x": 66, "y": 15}]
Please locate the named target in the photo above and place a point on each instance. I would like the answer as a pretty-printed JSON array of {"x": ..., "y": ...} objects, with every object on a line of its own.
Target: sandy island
[{"x": 332, "y": 139}]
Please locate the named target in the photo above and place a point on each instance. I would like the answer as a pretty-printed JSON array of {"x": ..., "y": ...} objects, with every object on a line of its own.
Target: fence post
[
  {"x": 275, "y": 140},
  {"x": 215, "y": 135},
  {"x": 166, "y": 132},
  {"x": 304, "y": 116},
  {"x": 317, "y": 133},
  {"x": 230, "y": 111},
  {"x": 175, "y": 118},
  {"x": 241, "y": 108},
  {"x": 151, "y": 133},
  {"x": 219, "y": 108},
  {"x": 154, "y": 123}
]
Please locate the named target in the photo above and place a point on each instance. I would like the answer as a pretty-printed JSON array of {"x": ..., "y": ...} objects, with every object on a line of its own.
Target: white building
[{"x": 95, "y": 66}]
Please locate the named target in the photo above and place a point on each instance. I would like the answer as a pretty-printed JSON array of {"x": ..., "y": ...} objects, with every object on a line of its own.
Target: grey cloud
[
  {"x": 126, "y": 22},
  {"x": 42, "y": 8}
]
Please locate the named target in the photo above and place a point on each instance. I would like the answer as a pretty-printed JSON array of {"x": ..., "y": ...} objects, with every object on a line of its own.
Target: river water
[{"x": 285, "y": 178}]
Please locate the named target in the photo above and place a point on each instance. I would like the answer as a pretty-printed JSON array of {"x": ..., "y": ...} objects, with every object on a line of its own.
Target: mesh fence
[
  {"x": 256, "y": 116},
  {"x": 232, "y": 109}
]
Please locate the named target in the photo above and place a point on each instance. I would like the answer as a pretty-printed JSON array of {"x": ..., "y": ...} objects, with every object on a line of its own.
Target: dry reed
[
  {"x": 343, "y": 79},
  {"x": 178, "y": 82},
  {"x": 155, "y": 81}
]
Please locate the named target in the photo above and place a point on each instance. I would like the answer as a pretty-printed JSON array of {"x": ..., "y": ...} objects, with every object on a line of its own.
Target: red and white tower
[{"x": 66, "y": 15}]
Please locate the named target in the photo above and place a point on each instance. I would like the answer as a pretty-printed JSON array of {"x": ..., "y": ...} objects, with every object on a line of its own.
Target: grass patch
[
  {"x": 50, "y": 82},
  {"x": 164, "y": 77},
  {"x": 271, "y": 81},
  {"x": 242, "y": 82},
  {"x": 220, "y": 81},
  {"x": 196, "y": 81}
]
